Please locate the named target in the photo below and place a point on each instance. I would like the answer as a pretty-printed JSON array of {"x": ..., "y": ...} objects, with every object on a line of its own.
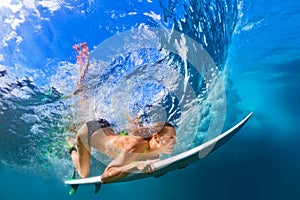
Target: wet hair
[
  {"x": 147, "y": 132},
  {"x": 168, "y": 124}
]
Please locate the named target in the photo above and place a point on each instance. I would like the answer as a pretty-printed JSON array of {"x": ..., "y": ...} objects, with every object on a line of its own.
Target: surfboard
[{"x": 175, "y": 162}]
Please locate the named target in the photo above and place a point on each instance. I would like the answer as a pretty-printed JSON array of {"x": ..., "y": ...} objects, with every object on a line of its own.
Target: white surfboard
[{"x": 176, "y": 162}]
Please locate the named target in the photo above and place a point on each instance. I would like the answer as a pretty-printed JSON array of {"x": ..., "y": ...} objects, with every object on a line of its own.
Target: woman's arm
[{"x": 119, "y": 167}]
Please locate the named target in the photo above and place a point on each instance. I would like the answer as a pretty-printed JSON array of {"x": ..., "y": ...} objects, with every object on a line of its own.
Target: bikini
[
  {"x": 124, "y": 133},
  {"x": 95, "y": 125}
]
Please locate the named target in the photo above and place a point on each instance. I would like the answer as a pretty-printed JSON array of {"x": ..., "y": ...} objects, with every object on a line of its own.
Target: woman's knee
[{"x": 84, "y": 172}]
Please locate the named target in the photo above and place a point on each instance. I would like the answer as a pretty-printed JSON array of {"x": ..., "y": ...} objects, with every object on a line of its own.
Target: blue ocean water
[{"x": 254, "y": 44}]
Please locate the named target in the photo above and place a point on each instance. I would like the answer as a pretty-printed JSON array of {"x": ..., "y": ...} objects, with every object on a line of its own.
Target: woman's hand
[{"x": 147, "y": 167}]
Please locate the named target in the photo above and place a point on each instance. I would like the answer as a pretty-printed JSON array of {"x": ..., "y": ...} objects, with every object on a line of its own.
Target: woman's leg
[{"x": 81, "y": 157}]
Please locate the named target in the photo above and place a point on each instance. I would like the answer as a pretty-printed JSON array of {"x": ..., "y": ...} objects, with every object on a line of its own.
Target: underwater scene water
[{"x": 203, "y": 65}]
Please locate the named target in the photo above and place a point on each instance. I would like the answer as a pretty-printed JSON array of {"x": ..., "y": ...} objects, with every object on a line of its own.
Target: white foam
[
  {"x": 18, "y": 11},
  {"x": 53, "y": 5},
  {"x": 153, "y": 15}
]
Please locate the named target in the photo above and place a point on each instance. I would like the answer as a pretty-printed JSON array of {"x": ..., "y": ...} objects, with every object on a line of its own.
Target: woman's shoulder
[{"x": 132, "y": 143}]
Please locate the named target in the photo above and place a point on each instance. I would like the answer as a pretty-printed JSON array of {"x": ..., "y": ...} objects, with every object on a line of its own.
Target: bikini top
[{"x": 124, "y": 133}]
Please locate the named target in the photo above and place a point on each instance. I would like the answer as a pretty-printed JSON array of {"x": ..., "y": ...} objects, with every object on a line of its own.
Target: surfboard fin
[
  {"x": 73, "y": 189},
  {"x": 97, "y": 187}
]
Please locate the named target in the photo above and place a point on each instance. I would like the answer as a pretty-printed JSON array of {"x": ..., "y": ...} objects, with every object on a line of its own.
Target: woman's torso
[{"x": 113, "y": 144}]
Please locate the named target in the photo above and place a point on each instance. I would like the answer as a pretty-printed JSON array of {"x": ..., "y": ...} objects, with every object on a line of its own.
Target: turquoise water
[{"x": 254, "y": 46}]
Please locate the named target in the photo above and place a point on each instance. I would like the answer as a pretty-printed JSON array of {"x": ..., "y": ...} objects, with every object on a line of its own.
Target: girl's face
[{"x": 168, "y": 139}]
